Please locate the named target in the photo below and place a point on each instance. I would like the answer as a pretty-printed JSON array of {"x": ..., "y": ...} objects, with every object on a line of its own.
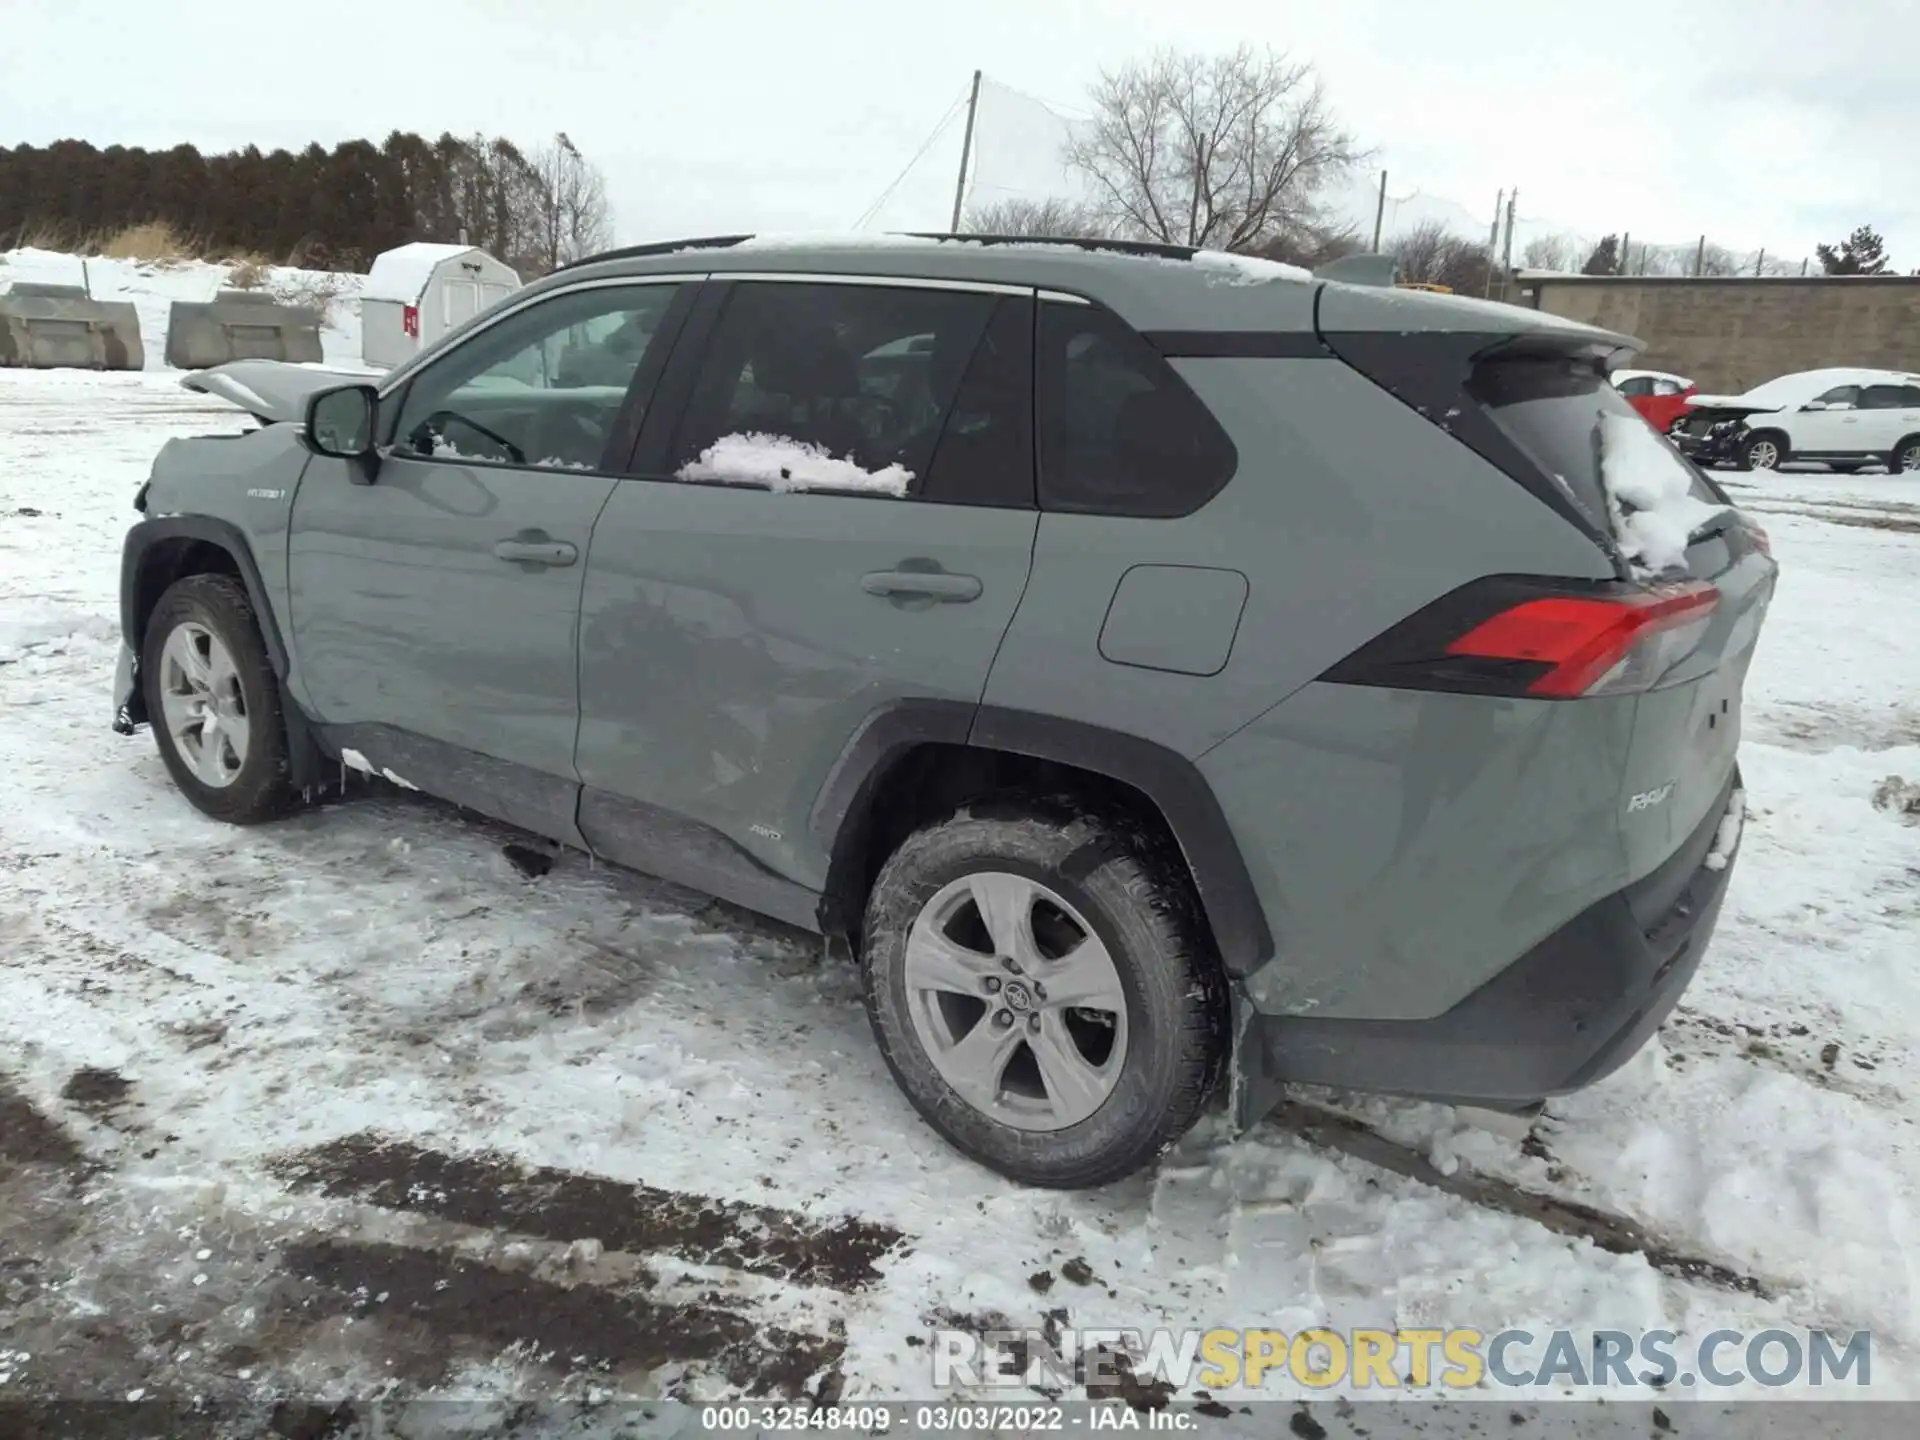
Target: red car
[{"x": 1660, "y": 398}]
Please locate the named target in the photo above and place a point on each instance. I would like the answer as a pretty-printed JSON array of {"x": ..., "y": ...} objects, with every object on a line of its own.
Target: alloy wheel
[
  {"x": 1016, "y": 1001},
  {"x": 205, "y": 709}
]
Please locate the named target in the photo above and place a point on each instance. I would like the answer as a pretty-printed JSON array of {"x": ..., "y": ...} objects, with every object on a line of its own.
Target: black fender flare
[
  {"x": 1169, "y": 781},
  {"x": 303, "y": 745},
  {"x": 146, "y": 534}
]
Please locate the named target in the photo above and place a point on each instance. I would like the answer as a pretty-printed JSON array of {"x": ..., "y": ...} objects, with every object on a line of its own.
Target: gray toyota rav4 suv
[{"x": 1166, "y": 672}]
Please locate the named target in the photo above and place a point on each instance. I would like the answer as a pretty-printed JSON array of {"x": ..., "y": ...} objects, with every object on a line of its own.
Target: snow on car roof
[
  {"x": 1804, "y": 385},
  {"x": 1681, "y": 380},
  {"x": 401, "y": 274},
  {"x": 1231, "y": 267}
]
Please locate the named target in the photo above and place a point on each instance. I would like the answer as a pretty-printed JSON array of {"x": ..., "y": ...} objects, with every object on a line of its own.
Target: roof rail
[
  {"x": 1146, "y": 248},
  {"x": 658, "y": 247},
  {"x": 1150, "y": 248}
]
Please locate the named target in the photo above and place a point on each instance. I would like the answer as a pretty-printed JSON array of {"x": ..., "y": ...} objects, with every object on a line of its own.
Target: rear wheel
[
  {"x": 214, "y": 702},
  {"x": 1041, "y": 988},
  {"x": 1763, "y": 450},
  {"x": 1905, "y": 456}
]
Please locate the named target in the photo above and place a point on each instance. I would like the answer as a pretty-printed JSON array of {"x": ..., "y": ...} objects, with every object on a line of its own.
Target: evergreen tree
[
  {"x": 1861, "y": 253},
  {"x": 1605, "y": 259}
]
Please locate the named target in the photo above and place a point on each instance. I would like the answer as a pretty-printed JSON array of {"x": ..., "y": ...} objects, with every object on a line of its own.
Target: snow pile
[
  {"x": 1650, "y": 490},
  {"x": 153, "y": 286},
  {"x": 783, "y": 464},
  {"x": 1247, "y": 269}
]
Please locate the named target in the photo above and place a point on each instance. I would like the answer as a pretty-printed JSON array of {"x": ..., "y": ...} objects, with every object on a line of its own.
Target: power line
[{"x": 918, "y": 156}]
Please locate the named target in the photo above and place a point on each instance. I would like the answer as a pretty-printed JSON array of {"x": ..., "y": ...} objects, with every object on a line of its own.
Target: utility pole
[
  {"x": 1621, "y": 265},
  {"x": 1493, "y": 242},
  {"x": 1506, "y": 259},
  {"x": 1758, "y": 261},
  {"x": 1380, "y": 212},
  {"x": 966, "y": 153},
  {"x": 1700, "y": 259},
  {"x": 1803, "y": 269}
]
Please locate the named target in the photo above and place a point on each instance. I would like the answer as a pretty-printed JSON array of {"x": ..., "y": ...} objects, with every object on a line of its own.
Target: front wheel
[
  {"x": 214, "y": 701},
  {"x": 1042, "y": 990},
  {"x": 1765, "y": 451},
  {"x": 1906, "y": 456}
]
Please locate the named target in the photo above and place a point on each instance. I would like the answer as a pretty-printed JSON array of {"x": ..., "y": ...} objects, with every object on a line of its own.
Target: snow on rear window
[
  {"x": 1651, "y": 493},
  {"x": 783, "y": 464}
]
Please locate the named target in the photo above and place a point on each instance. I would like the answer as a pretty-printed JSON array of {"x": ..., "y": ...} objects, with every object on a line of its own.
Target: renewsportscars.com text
[{"x": 1414, "y": 1359}]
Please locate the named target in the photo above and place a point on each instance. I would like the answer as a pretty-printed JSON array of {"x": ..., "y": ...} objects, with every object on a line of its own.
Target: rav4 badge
[{"x": 1647, "y": 799}]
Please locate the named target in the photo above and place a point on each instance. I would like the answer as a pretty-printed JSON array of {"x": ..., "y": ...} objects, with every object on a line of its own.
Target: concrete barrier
[
  {"x": 240, "y": 325},
  {"x": 50, "y": 327}
]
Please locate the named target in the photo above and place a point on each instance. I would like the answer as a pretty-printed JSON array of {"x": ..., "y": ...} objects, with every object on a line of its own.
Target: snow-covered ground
[
  {"x": 272, "y": 1100},
  {"x": 153, "y": 287}
]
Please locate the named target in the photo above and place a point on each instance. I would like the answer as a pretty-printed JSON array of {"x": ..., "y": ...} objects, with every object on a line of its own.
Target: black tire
[
  {"x": 261, "y": 789},
  {"x": 1905, "y": 456},
  {"x": 1761, "y": 438},
  {"x": 1133, "y": 891}
]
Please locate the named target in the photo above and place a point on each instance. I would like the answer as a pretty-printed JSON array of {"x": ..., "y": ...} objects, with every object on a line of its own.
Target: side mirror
[
  {"x": 1814, "y": 405},
  {"x": 340, "y": 422}
]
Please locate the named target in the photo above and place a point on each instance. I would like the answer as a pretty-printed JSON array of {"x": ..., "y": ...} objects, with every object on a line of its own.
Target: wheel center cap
[{"x": 1017, "y": 998}]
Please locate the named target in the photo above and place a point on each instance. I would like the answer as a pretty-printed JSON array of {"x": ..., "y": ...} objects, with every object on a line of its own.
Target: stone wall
[{"x": 1729, "y": 335}]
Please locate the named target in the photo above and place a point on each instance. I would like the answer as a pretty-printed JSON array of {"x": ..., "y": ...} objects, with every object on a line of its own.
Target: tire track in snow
[
  {"x": 1615, "y": 1234},
  {"x": 578, "y": 1327},
  {"x": 491, "y": 1191}
]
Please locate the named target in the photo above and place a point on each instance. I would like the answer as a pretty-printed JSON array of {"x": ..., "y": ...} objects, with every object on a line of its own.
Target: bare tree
[
  {"x": 569, "y": 205},
  {"x": 1718, "y": 260},
  {"x": 1312, "y": 245},
  {"x": 1431, "y": 254},
  {"x": 1223, "y": 151},
  {"x": 1063, "y": 218},
  {"x": 1552, "y": 252}
]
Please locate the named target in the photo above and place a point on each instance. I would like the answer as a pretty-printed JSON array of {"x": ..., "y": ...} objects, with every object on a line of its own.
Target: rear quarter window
[
  {"x": 1551, "y": 409},
  {"x": 1120, "y": 432}
]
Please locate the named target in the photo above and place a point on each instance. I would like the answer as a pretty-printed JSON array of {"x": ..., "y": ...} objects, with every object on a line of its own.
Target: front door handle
[
  {"x": 927, "y": 584},
  {"x": 536, "y": 551}
]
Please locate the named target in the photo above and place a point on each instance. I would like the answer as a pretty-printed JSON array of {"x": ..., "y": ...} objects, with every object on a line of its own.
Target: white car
[{"x": 1844, "y": 418}]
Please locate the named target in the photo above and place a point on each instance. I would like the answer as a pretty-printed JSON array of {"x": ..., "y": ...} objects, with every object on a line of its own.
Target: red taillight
[
  {"x": 1585, "y": 639},
  {"x": 1536, "y": 637}
]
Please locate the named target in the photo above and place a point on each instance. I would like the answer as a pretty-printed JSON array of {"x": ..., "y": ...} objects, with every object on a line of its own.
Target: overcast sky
[{"x": 1759, "y": 122}]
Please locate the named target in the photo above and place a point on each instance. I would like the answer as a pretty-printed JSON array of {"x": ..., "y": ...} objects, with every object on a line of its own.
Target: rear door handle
[
  {"x": 536, "y": 552},
  {"x": 931, "y": 584}
]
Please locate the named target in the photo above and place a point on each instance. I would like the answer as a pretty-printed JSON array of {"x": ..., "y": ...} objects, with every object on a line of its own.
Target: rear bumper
[{"x": 1571, "y": 1010}]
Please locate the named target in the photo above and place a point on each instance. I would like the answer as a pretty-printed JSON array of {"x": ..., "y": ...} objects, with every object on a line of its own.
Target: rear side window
[
  {"x": 1551, "y": 410},
  {"x": 1120, "y": 432},
  {"x": 853, "y": 388},
  {"x": 1890, "y": 397}
]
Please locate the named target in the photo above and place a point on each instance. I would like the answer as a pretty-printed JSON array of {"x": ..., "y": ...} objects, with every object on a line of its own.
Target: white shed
[{"x": 416, "y": 293}]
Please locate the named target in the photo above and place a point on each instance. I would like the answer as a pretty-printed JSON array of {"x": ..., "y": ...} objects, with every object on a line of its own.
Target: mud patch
[
  {"x": 1613, "y": 1233},
  {"x": 1818, "y": 728},
  {"x": 1900, "y": 525},
  {"x": 1790, "y": 1047},
  {"x": 1899, "y": 797},
  {"x": 561, "y": 1327},
  {"x": 101, "y": 1093},
  {"x": 494, "y": 1192},
  {"x": 29, "y": 1138}
]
